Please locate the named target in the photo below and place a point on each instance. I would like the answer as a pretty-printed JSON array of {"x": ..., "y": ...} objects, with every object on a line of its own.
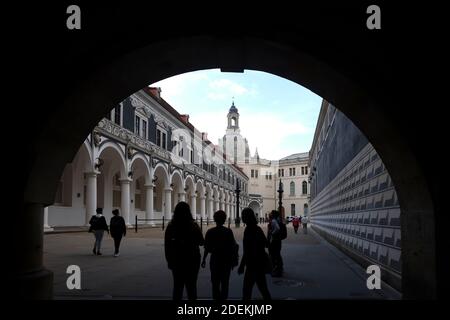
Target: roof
[
  {"x": 296, "y": 156},
  {"x": 233, "y": 109}
]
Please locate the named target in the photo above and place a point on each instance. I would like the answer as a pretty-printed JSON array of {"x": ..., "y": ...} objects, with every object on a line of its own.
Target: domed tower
[
  {"x": 235, "y": 147},
  {"x": 233, "y": 120}
]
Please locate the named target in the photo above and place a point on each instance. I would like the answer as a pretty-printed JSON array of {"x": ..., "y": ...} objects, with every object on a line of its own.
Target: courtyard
[{"x": 314, "y": 269}]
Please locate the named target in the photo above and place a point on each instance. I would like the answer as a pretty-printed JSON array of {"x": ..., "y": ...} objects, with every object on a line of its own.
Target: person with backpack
[
  {"x": 275, "y": 234},
  {"x": 98, "y": 226},
  {"x": 118, "y": 230},
  {"x": 220, "y": 242},
  {"x": 182, "y": 239}
]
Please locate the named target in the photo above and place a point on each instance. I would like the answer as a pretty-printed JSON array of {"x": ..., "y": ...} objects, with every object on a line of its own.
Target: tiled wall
[{"x": 359, "y": 210}]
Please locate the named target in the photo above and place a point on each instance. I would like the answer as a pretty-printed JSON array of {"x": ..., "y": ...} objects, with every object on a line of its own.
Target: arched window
[
  {"x": 304, "y": 187},
  {"x": 305, "y": 209},
  {"x": 292, "y": 188}
]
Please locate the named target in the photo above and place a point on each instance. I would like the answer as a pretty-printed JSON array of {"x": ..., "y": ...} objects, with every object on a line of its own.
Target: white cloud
[
  {"x": 267, "y": 132},
  {"x": 178, "y": 85},
  {"x": 222, "y": 89}
]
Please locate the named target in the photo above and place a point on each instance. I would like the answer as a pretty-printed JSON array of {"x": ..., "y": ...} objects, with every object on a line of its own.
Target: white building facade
[
  {"x": 264, "y": 175},
  {"x": 143, "y": 158}
]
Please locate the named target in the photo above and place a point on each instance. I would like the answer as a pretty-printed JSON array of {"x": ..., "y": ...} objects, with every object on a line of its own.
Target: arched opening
[{"x": 101, "y": 90}]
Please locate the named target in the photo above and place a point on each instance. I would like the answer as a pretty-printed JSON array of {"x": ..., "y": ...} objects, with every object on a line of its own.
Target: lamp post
[
  {"x": 237, "y": 220},
  {"x": 280, "y": 196}
]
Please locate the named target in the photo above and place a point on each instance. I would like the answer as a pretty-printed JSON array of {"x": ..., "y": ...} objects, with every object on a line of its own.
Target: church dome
[{"x": 233, "y": 109}]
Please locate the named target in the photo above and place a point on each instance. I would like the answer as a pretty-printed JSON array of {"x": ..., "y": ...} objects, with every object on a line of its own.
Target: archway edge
[{"x": 368, "y": 109}]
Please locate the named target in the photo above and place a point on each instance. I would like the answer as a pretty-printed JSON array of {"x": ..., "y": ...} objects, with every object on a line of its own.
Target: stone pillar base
[{"x": 35, "y": 285}]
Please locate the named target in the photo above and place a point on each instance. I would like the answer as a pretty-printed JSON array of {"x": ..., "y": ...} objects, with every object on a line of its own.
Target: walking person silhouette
[
  {"x": 98, "y": 226},
  {"x": 118, "y": 230},
  {"x": 181, "y": 245},
  {"x": 255, "y": 259},
  {"x": 220, "y": 242}
]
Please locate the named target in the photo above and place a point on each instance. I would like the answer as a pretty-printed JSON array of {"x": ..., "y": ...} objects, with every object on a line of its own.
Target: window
[
  {"x": 144, "y": 129},
  {"x": 256, "y": 173},
  {"x": 292, "y": 209},
  {"x": 304, "y": 187},
  {"x": 252, "y": 173},
  {"x": 305, "y": 209},
  {"x": 290, "y": 172},
  {"x": 303, "y": 171},
  {"x": 163, "y": 138},
  {"x": 137, "y": 125},
  {"x": 118, "y": 115},
  {"x": 293, "y": 171},
  {"x": 192, "y": 156},
  {"x": 306, "y": 170},
  {"x": 270, "y": 175},
  {"x": 292, "y": 188},
  {"x": 282, "y": 173},
  {"x": 158, "y": 137}
]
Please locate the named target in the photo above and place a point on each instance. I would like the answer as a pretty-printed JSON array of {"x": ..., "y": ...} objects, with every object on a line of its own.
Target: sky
[{"x": 276, "y": 115}]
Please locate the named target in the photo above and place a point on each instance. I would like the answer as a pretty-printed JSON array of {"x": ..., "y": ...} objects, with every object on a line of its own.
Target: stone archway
[{"x": 329, "y": 73}]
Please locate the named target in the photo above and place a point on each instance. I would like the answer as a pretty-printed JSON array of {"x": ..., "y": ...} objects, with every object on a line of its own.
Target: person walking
[
  {"x": 295, "y": 223},
  {"x": 275, "y": 234},
  {"x": 118, "y": 230},
  {"x": 255, "y": 260},
  {"x": 305, "y": 221},
  {"x": 181, "y": 245},
  {"x": 220, "y": 242},
  {"x": 98, "y": 227}
]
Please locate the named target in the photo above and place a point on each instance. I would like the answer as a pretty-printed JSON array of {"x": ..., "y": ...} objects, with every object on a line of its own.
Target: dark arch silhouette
[{"x": 98, "y": 69}]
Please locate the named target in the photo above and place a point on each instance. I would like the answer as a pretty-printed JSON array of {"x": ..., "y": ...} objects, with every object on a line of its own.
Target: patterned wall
[{"x": 359, "y": 210}]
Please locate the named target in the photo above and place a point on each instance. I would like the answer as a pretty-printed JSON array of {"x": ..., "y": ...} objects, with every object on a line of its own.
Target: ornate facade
[{"x": 143, "y": 158}]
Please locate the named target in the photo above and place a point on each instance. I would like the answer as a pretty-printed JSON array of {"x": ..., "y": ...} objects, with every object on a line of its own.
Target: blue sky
[{"x": 277, "y": 116}]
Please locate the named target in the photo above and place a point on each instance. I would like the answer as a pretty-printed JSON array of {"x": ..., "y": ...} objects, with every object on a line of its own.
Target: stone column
[
  {"x": 211, "y": 208},
  {"x": 182, "y": 196},
  {"x": 216, "y": 205},
  {"x": 168, "y": 203},
  {"x": 203, "y": 207},
  {"x": 149, "y": 203},
  {"x": 91, "y": 196},
  {"x": 194, "y": 206},
  {"x": 125, "y": 199},
  {"x": 32, "y": 281},
  {"x": 46, "y": 226}
]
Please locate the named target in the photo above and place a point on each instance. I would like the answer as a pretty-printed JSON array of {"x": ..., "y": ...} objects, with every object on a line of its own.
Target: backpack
[
  {"x": 93, "y": 223},
  {"x": 283, "y": 230}
]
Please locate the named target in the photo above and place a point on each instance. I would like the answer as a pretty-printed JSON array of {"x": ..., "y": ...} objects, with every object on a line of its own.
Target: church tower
[
  {"x": 235, "y": 147},
  {"x": 233, "y": 120}
]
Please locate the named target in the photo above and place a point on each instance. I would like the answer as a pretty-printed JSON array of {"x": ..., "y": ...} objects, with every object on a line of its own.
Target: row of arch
[{"x": 142, "y": 186}]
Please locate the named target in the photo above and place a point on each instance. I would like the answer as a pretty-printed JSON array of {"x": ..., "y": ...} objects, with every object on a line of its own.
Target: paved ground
[{"x": 314, "y": 269}]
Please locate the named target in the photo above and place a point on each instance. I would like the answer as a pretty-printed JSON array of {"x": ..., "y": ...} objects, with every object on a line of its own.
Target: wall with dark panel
[{"x": 355, "y": 205}]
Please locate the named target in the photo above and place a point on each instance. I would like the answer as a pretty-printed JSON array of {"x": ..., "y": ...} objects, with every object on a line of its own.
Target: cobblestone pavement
[{"x": 314, "y": 269}]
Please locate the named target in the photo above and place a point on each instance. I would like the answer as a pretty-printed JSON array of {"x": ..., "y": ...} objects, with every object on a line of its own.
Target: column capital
[
  {"x": 193, "y": 196},
  {"x": 149, "y": 186},
  {"x": 125, "y": 181},
  {"x": 92, "y": 174}
]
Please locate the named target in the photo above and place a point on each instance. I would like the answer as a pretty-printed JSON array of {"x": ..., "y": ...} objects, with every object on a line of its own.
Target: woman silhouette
[
  {"x": 181, "y": 244},
  {"x": 254, "y": 258}
]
